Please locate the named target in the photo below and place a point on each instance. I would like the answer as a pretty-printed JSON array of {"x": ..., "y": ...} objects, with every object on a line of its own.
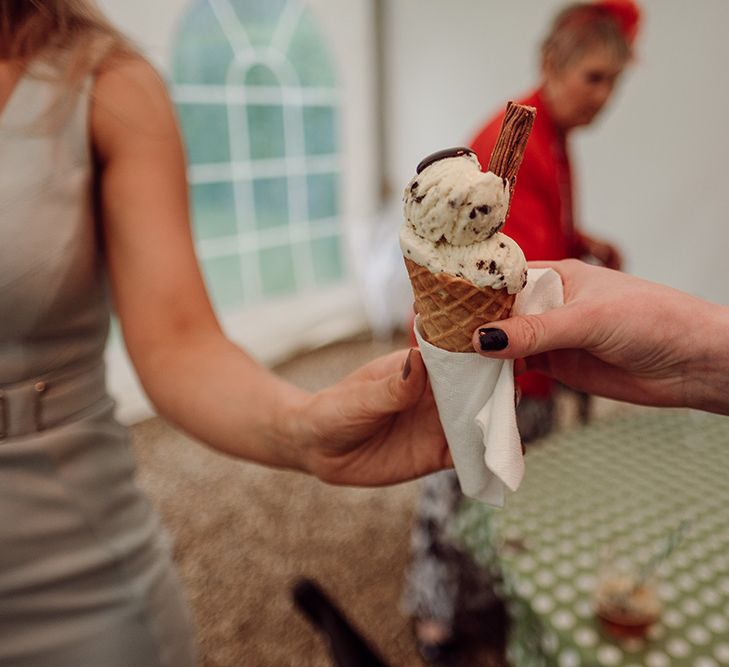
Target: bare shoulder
[{"x": 130, "y": 103}]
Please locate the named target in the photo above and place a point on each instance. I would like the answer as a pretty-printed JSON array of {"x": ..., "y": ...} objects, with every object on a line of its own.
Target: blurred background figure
[{"x": 582, "y": 58}]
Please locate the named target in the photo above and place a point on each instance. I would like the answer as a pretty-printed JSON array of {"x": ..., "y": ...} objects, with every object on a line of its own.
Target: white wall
[{"x": 651, "y": 169}]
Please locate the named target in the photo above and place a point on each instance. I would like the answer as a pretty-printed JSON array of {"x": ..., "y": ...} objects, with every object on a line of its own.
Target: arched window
[{"x": 258, "y": 104}]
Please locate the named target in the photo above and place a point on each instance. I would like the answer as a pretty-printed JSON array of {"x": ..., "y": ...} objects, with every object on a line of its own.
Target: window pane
[
  {"x": 223, "y": 279},
  {"x": 271, "y": 200},
  {"x": 205, "y": 127},
  {"x": 323, "y": 195},
  {"x": 202, "y": 53},
  {"x": 309, "y": 56},
  {"x": 277, "y": 271},
  {"x": 266, "y": 131},
  {"x": 260, "y": 75},
  {"x": 320, "y": 130},
  {"x": 213, "y": 210},
  {"x": 264, "y": 154},
  {"x": 259, "y": 18},
  {"x": 327, "y": 256},
  {"x": 115, "y": 333}
]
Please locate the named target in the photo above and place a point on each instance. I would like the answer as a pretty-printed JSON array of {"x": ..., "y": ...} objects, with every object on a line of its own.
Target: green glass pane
[
  {"x": 260, "y": 75},
  {"x": 223, "y": 280},
  {"x": 270, "y": 196},
  {"x": 259, "y": 17},
  {"x": 323, "y": 192},
  {"x": 265, "y": 130},
  {"x": 115, "y": 333},
  {"x": 308, "y": 54},
  {"x": 205, "y": 128},
  {"x": 327, "y": 257},
  {"x": 277, "y": 271},
  {"x": 320, "y": 130},
  {"x": 201, "y": 51},
  {"x": 213, "y": 210}
]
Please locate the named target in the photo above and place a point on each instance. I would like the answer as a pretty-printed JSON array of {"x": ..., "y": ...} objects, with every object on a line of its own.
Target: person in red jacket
[{"x": 582, "y": 59}]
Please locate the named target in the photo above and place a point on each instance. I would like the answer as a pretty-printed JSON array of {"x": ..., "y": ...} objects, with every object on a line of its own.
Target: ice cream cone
[
  {"x": 450, "y": 308},
  {"x": 463, "y": 271}
]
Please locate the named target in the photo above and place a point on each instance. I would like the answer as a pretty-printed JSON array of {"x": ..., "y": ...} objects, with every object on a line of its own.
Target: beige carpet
[{"x": 244, "y": 533}]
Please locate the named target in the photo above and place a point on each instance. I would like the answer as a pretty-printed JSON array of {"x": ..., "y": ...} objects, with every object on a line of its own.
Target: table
[{"x": 622, "y": 483}]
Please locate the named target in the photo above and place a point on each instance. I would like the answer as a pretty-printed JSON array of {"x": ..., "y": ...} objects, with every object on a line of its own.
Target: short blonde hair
[{"x": 580, "y": 27}]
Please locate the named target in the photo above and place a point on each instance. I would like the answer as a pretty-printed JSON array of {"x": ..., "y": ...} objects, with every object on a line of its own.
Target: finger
[
  {"x": 584, "y": 372},
  {"x": 397, "y": 391},
  {"x": 566, "y": 268},
  {"x": 543, "y": 264},
  {"x": 381, "y": 366},
  {"x": 526, "y": 335}
]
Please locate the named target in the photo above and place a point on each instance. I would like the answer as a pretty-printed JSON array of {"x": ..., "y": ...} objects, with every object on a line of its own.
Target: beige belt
[{"x": 40, "y": 403}]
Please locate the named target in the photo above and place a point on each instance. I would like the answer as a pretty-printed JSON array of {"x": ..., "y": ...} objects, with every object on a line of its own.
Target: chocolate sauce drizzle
[{"x": 442, "y": 155}]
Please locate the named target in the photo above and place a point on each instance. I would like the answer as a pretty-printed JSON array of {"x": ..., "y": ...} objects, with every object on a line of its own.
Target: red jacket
[{"x": 540, "y": 218}]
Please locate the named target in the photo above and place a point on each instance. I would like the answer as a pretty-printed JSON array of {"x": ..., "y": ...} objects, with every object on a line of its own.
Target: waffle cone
[{"x": 450, "y": 308}]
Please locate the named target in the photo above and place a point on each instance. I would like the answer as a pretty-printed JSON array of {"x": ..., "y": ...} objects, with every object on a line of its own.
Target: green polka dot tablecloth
[{"x": 618, "y": 486}]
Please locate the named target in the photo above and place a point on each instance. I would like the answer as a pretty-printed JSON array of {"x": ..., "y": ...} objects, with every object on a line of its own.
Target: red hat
[{"x": 627, "y": 15}]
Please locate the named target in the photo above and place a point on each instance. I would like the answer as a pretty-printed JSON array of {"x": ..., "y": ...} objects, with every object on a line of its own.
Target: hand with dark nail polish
[
  {"x": 624, "y": 338},
  {"x": 407, "y": 367}
]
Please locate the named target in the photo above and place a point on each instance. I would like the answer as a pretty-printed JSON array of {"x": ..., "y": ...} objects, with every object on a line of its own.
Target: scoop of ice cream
[
  {"x": 453, "y": 212},
  {"x": 497, "y": 262},
  {"x": 452, "y": 200}
]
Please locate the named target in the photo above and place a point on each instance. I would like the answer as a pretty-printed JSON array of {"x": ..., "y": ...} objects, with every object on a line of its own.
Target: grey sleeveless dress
[{"x": 86, "y": 578}]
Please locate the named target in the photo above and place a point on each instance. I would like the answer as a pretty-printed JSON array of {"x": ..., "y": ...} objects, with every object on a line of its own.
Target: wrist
[
  {"x": 708, "y": 375},
  {"x": 290, "y": 428},
  {"x": 287, "y": 426}
]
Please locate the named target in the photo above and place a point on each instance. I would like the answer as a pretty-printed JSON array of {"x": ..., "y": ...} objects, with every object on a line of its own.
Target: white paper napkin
[{"x": 475, "y": 399}]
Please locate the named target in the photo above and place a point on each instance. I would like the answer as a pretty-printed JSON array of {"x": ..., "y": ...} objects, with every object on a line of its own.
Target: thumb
[
  {"x": 397, "y": 391},
  {"x": 526, "y": 335}
]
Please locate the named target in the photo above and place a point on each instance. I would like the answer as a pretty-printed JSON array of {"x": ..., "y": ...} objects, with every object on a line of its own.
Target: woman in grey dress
[{"x": 93, "y": 192}]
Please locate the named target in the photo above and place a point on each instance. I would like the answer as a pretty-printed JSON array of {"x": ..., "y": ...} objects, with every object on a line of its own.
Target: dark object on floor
[
  {"x": 436, "y": 654},
  {"x": 347, "y": 646},
  {"x": 479, "y": 642}
]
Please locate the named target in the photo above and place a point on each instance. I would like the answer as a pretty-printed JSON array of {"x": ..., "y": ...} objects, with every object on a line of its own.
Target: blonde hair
[
  {"x": 580, "y": 27},
  {"x": 72, "y": 36}
]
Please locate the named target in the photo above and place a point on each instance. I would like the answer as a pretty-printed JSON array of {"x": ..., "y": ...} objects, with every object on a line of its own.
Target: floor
[{"x": 244, "y": 534}]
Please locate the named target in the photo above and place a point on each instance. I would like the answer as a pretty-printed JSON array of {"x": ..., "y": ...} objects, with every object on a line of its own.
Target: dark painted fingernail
[
  {"x": 407, "y": 368},
  {"x": 492, "y": 340}
]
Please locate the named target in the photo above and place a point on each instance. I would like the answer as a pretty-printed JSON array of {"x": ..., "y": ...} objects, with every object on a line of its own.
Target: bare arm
[
  {"x": 624, "y": 338},
  {"x": 191, "y": 372}
]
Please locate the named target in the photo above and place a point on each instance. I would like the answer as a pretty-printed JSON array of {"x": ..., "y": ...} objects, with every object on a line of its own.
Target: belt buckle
[
  {"x": 39, "y": 388},
  {"x": 3, "y": 416}
]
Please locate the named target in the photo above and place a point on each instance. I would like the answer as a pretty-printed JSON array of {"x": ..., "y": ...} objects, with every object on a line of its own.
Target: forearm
[{"x": 215, "y": 392}]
